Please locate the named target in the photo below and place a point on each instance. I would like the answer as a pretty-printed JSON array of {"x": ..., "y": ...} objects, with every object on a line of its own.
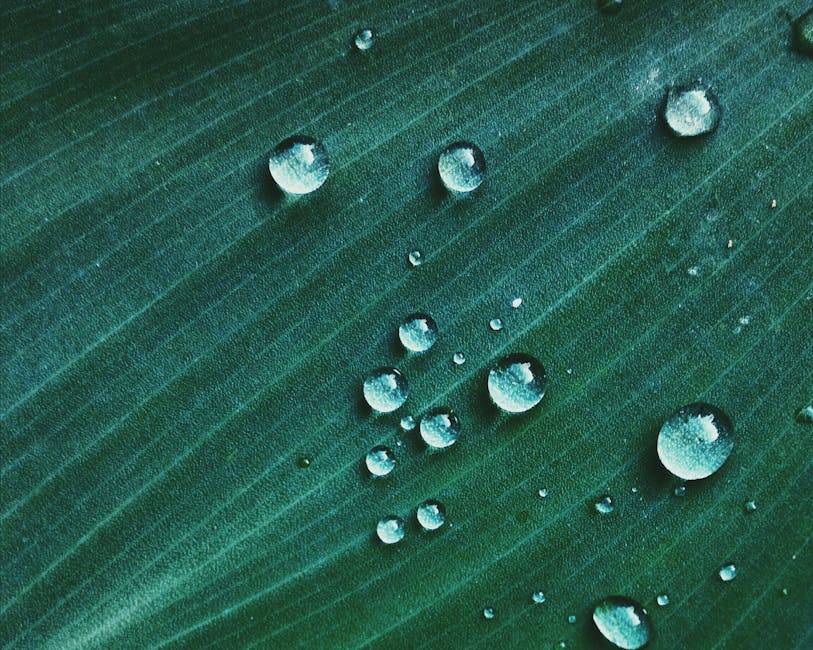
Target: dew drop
[
  {"x": 380, "y": 460},
  {"x": 662, "y": 600},
  {"x": 623, "y": 622},
  {"x": 418, "y": 332},
  {"x": 694, "y": 271},
  {"x": 727, "y": 573},
  {"x": 459, "y": 358},
  {"x": 462, "y": 167},
  {"x": 364, "y": 39},
  {"x": 431, "y": 515},
  {"x": 610, "y": 7},
  {"x": 415, "y": 257},
  {"x": 803, "y": 33},
  {"x": 695, "y": 441},
  {"x": 605, "y": 505},
  {"x": 538, "y": 597},
  {"x": 691, "y": 111},
  {"x": 385, "y": 389},
  {"x": 440, "y": 428},
  {"x": 680, "y": 491},
  {"x": 571, "y": 619},
  {"x": 543, "y": 492},
  {"x": 299, "y": 164},
  {"x": 750, "y": 506},
  {"x": 407, "y": 423},
  {"x": 303, "y": 462},
  {"x": 488, "y": 613},
  {"x": 495, "y": 324},
  {"x": 516, "y": 382},
  {"x": 390, "y": 529},
  {"x": 805, "y": 415},
  {"x": 516, "y": 303}
]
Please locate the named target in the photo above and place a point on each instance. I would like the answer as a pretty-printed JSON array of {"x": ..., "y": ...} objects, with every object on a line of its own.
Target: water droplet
[
  {"x": 303, "y": 461},
  {"x": 694, "y": 271},
  {"x": 364, "y": 39},
  {"x": 805, "y": 415},
  {"x": 634, "y": 489},
  {"x": 440, "y": 428},
  {"x": 695, "y": 441},
  {"x": 495, "y": 324},
  {"x": 516, "y": 303},
  {"x": 299, "y": 164},
  {"x": 418, "y": 332},
  {"x": 415, "y": 257},
  {"x": 407, "y": 423},
  {"x": 750, "y": 506},
  {"x": 488, "y": 613},
  {"x": 431, "y": 515},
  {"x": 385, "y": 389},
  {"x": 516, "y": 383},
  {"x": 784, "y": 591},
  {"x": 623, "y": 622},
  {"x": 662, "y": 600},
  {"x": 543, "y": 492},
  {"x": 459, "y": 358},
  {"x": 380, "y": 460},
  {"x": 390, "y": 529},
  {"x": 728, "y": 572},
  {"x": 605, "y": 505},
  {"x": 571, "y": 619},
  {"x": 462, "y": 166},
  {"x": 691, "y": 110},
  {"x": 610, "y": 7},
  {"x": 538, "y": 597},
  {"x": 803, "y": 33},
  {"x": 680, "y": 491}
]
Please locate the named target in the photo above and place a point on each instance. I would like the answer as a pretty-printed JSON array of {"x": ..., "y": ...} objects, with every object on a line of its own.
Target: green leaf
[{"x": 177, "y": 334}]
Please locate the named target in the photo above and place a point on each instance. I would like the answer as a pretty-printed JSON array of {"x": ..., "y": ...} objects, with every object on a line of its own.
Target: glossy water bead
[
  {"x": 623, "y": 622},
  {"x": 695, "y": 441},
  {"x": 385, "y": 389},
  {"x": 431, "y": 515},
  {"x": 440, "y": 428},
  {"x": 516, "y": 382},
  {"x": 390, "y": 529},
  {"x": 462, "y": 167},
  {"x": 380, "y": 460},
  {"x": 418, "y": 332},
  {"x": 299, "y": 164},
  {"x": 690, "y": 111},
  {"x": 364, "y": 39}
]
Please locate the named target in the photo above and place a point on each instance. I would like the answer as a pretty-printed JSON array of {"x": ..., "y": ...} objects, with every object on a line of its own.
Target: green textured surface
[{"x": 175, "y": 333}]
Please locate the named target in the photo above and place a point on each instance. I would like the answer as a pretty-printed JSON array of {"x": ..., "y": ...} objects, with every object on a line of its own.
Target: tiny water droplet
[
  {"x": 385, "y": 389},
  {"x": 418, "y": 332},
  {"x": 610, "y": 7},
  {"x": 623, "y": 622},
  {"x": 680, "y": 491},
  {"x": 516, "y": 303},
  {"x": 408, "y": 423},
  {"x": 784, "y": 591},
  {"x": 516, "y": 382},
  {"x": 543, "y": 492},
  {"x": 805, "y": 415},
  {"x": 488, "y": 613},
  {"x": 694, "y": 271},
  {"x": 390, "y": 529},
  {"x": 605, "y": 505},
  {"x": 364, "y": 39},
  {"x": 662, "y": 600},
  {"x": 303, "y": 461},
  {"x": 415, "y": 257},
  {"x": 462, "y": 167},
  {"x": 750, "y": 506},
  {"x": 431, "y": 515},
  {"x": 634, "y": 489},
  {"x": 299, "y": 164},
  {"x": 571, "y": 619},
  {"x": 695, "y": 441},
  {"x": 459, "y": 358},
  {"x": 773, "y": 204},
  {"x": 728, "y": 572},
  {"x": 495, "y": 324},
  {"x": 803, "y": 33},
  {"x": 691, "y": 110},
  {"x": 380, "y": 460},
  {"x": 440, "y": 428},
  {"x": 538, "y": 597}
]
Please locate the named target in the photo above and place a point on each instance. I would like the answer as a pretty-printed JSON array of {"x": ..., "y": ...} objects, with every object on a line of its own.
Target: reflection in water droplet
[
  {"x": 605, "y": 505},
  {"x": 440, "y": 428},
  {"x": 803, "y": 33},
  {"x": 516, "y": 383},
  {"x": 663, "y": 600},
  {"x": 609, "y": 6},
  {"x": 691, "y": 111},
  {"x": 431, "y": 515},
  {"x": 750, "y": 506},
  {"x": 408, "y": 423},
  {"x": 538, "y": 597},
  {"x": 380, "y": 460},
  {"x": 364, "y": 39},
  {"x": 415, "y": 258},
  {"x": 418, "y": 332},
  {"x": 623, "y": 622},
  {"x": 299, "y": 164},
  {"x": 495, "y": 324},
  {"x": 459, "y": 358},
  {"x": 805, "y": 415},
  {"x": 390, "y": 529},
  {"x": 385, "y": 389},
  {"x": 728, "y": 572},
  {"x": 488, "y": 613},
  {"x": 462, "y": 167},
  {"x": 695, "y": 441}
]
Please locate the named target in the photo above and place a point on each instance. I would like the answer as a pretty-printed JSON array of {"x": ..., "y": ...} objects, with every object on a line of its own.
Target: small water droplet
[
  {"x": 516, "y": 382},
  {"x": 516, "y": 303},
  {"x": 408, "y": 423},
  {"x": 543, "y": 492},
  {"x": 691, "y": 111},
  {"x": 784, "y": 591},
  {"x": 728, "y": 572},
  {"x": 390, "y": 529},
  {"x": 695, "y": 441},
  {"x": 303, "y": 461},
  {"x": 440, "y": 428},
  {"x": 538, "y": 597},
  {"x": 418, "y": 332},
  {"x": 750, "y": 506},
  {"x": 385, "y": 389},
  {"x": 623, "y": 622},
  {"x": 495, "y": 324},
  {"x": 299, "y": 164},
  {"x": 805, "y": 415},
  {"x": 380, "y": 460},
  {"x": 662, "y": 600},
  {"x": 605, "y": 505},
  {"x": 729, "y": 244},
  {"x": 571, "y": 619},
  {"x": 610, "y": 7},
  {"x": 634, "y": 489},
  {"x": 680, "y": 491},
  {"x": 459, "y": 358},
  {"x": 364, "y": 39},
  {"x": 803, "y": 33},
  {"x": 431, "y": 515},
  {"x": 462, "y": 167},
  {"x": 773, "y": 204},
  {"x": 488, "y": 613},
  {"x": 694, "y": 271},
  {"x": 415, "y": 257}
]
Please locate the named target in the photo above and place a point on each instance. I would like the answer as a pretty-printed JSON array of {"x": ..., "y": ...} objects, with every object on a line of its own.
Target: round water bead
[
  {"x": 623, "y": 622},
  {"x": 662, "y": 600},
  {"x": 495, "y": 324},
  {"x": 418, "y": 332},
  {"x": 516, "y": 382},
  {"x": 431, "y": 515},
  {"x": 385, "y": 389},
  {"x": 390, "y": 529},
  {"x": 462, "y": 167},
  {"x": 299, "y": 164},
  {"x": 695, "y": 441},
  {"x": 691, "y": 110},
  {"x": 488, "y": 613},
  {"x": 380, "y": 460},
  {"x": 415, "y": 258},
  {"x": 459, "y": 358},
  {"x": 440, "y": 428},
  {"x": 364, "y": 39},
  {"x": 727, "y": 573}
]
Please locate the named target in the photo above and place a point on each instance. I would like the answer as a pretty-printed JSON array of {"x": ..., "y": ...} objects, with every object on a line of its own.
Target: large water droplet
[
  {"x": 695, "y": 441},
  {"x": 380, "y": 460},
  {"x": 364, "y": 39},
  {"x": 385, "y": 389},
  {"x": 488, "y": 613},
  {"x": 440, "y": 428},
  {"x": 691, "y": 110},
  {"x": 803, "y": 33},
  {"x": 431, "y": 515},
  {"x": 538, "y": 597},
  {"x": 605, "y": 505},
  {"x": 462, "y": 166},
  {"x": 390, "y": 529},
  {"x": 418, "y": 332},
  {"x": 609, "y": 6},
  {"x": 516, "y": 383},
  {"x": 299, "y": 164},
  {"x": 623, "y": 622},
  {"x": 727, "y": 573}
]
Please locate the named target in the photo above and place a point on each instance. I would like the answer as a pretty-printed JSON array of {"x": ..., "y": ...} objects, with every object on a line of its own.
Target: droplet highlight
[
  {"x": 418, "y": 332},
  {"x": 431, "y": 515},
  {"x": 691, "y": 111},
  {"x": 380, "y": 461},
  {"x": 695, "y": 441},
  {"x": 516, "y": 383},
  {"x": 462, "y": 167},
  {"x": 390, "y": 529},
  {"x": 299, "y": 164},
  {"x": 440, "y": 428},
  {"x": 623, "y": 622},
  {"x": 385, "y": 389}
]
